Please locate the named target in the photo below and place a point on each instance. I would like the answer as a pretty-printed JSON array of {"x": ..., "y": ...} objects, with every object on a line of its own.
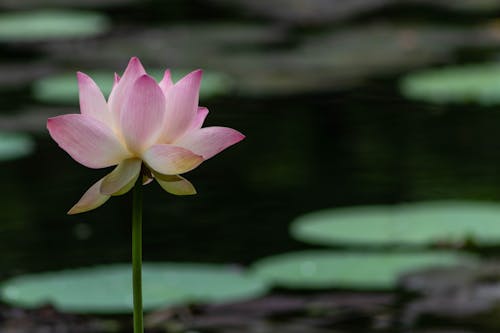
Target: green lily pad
[
  {"x": 63, "y": 88},
  {"x": 15, "y": 145},
  {"x": 108, "y": 289},
  {"x": 443, "y": 222},
  {"x": 462, "y": 84},
  {"x": 348, "y": 270},
  {"x": 50, "y": 24},
  {"x": 32, "y": 4}
]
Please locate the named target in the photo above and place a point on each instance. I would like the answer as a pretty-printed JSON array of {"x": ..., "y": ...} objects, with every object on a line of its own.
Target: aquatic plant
[{"x": 151, "y": 131}]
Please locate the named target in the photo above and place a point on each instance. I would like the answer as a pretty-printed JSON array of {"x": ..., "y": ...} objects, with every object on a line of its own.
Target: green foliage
[
  {"x": 107, "y": 289},
  {"x": 63, "y": 88},
  {"x": 41, "y": 25},
  {"x": 464, "y": 84},
  {"x": 15, "y": 145},
  {"x": 448, "y": 222},
  {"x": 348, "y": 270}
]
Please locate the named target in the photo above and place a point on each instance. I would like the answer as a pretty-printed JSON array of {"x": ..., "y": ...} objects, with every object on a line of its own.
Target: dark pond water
[{"x": 316, "y": 97}]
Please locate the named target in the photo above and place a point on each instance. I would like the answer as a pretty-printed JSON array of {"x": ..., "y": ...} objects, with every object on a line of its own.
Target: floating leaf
[
  {"x": 63, "y": 88},
  {"x": 107, "y": 289},
  {"x": 15, "y": 145},
  {"x": 50, "y": 24},
  {"x": 27, "y": 4},
  {"x": 407, "y": 224},
  {"x": 463, "y": 84},
  {"x": 350, "y": 270}
]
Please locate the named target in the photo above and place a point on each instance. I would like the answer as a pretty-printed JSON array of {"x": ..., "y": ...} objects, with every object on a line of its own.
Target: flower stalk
[{"x": 137, "y": 255}]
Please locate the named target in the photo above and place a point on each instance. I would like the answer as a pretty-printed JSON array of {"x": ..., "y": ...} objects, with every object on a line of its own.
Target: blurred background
[{"x": 343, "y": 103}]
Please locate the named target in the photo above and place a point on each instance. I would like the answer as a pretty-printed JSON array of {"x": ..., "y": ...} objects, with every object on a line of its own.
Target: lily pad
[
  {"x": 50, "y": 24},
  {"x": 348, "y": 270},
  {"x": 427, "y": 223},
  {"x": 63, "y": 88},
  {"x": 108, "y": 289},
  {"x": 461, "y": 84},
  {"x": 30, "y": 4},
  {"x": 15, "y": 145}
]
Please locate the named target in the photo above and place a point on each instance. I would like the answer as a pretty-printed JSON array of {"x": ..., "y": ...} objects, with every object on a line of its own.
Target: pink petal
[
  {"x": 115, "y": 84},
  {"x": 166, "y": 83},
  {"x": 209, "y": 141},
  {"x": 182, "y": 105},
  {"x": 175, "y": 184},
  {"x": 92, "y": 102},
  {"x": 92, "y": 199},
  {"x": 116, "y": 99},
  {"x": 171, "y": 160},
  {"x": 88, "y": 141},
  {"x": 143, "y": 114},
  {"x": 122, "y": 178},
  {"x": 116, "y": 80},
  {"x": 199, "y": 118}
]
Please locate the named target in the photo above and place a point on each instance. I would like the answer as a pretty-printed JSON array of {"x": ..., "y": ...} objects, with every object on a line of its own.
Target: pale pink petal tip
[
  {"x": 92, "y": 101},
  {"x": 167, "y": 76},
  {"x": 181, "y": 106},
  {"x": 166, "y": 83},
  {"x": 210, "y": 141},
  {"x": 199, "y": 119},
  {"x": 92, "y": 199},
  {"x": 81, "y": 75},
  {"x": 117, "y": 96},
  {"x": 135, "y": 65},
  {"x": 192, "y": 79},
  {"x": 87, "y": 140},
  {"x": 197, "y": 72}
]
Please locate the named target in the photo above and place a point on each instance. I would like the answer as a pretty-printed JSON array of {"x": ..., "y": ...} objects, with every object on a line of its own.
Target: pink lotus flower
[{"x": 143, "y": 123}]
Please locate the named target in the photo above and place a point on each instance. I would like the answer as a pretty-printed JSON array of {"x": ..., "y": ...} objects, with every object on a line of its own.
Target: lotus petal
[
  {"x": 171, "y": 160},
  {"x": 166, "y": 83},
  {"x": 116, "y": 99},
  {"x": 175, "y": 184},
  {"x": 92, "y": 199},
  {"x": 199, "y": 119},
  {"x": 181, "y": 106},
  {"x": 122, "y": 178},
  {"x": 92, "y": 101},
  {"x": 87, "y": 140},
  {"x": 143, "y": 114},
  {"x": 209, "y": 141}
]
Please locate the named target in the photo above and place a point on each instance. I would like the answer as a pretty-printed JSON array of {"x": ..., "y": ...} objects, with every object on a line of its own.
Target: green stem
[{"x": 137, "y": 255}]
